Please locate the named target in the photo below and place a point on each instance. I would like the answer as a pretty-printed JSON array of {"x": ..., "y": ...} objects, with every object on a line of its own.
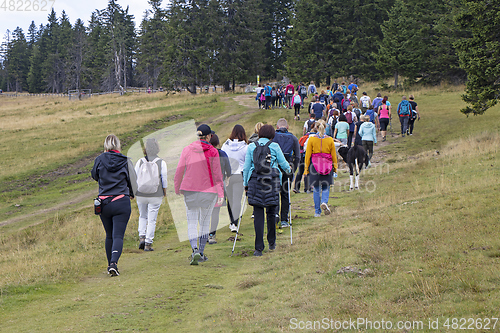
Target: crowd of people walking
[{"x": 263, "y": 169}]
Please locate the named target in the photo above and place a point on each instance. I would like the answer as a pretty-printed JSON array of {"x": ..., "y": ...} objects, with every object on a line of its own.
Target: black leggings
[
  {"x": 114, "y": 217},
  {"x": 384, "y": 122},
  {"x": 297, "y": 109},
  {"x": 258, "y": 222}
]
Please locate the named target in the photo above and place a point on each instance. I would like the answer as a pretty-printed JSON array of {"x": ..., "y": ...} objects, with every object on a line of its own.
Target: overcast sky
[{"x": 74, "y": 9}]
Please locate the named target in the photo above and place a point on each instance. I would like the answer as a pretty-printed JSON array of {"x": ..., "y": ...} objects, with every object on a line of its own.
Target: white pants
[
  {"x": 199, "y": 216},
  {"x": 148, "y": 212}
]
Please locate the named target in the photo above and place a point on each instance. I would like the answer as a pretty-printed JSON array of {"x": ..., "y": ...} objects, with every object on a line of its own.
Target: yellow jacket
[{"x": 317, "y": 145}]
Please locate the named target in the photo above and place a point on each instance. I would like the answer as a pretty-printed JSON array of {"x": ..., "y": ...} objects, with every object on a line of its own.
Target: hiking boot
[
  {"x": 298, "y": 117},
  {"x": 272, "y": 247},
  {"x": 113, "y": 269},
  {"x": 203, "y": 258},
  {"x": 142, "y": 242},
  {"x": 148, "y": 247},
  {"x": 257, "y": 253},
  {"x": 284, "y": 224},
  {"x": 325, "y": 208},
  {"x": 195, "y": 257},
  {"x": 296, "y": 191},
  {"x": 383, "y": 138},
  {"x": 233, "y": 227},
  {"x": 211, "y": 239}
]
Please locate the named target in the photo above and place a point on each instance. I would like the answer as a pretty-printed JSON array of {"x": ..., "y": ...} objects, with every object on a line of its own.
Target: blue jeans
[{"x": 318, "y": 200}]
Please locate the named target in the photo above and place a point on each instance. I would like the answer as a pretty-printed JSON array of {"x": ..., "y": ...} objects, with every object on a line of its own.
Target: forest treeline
[{"x": 189, "y": 43}]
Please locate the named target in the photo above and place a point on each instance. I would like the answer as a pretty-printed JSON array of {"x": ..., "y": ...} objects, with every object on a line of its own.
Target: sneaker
[
  {"x": 325, "y": 208},
  {"x": 403, "y": 135},
  {"x": 148, "y": 247},
  {"x": 317, "y": 215},
  {"x": 142, "y": 243},
  {"x": 113, "y": 269},
  {"x": 195, "y": 257},
  {"x": 257, "y": 253},
  {"x": 272, "y": 247},
  {"x": 233, "y": 227},
  {"x": 284, "y": 224},
  {"x": 203, "y": 258},
  {"x": 211, "y": 239},
  {"x": 295, "y": 191},
  {"x": 298, "y": 117},
  {"x": 383, "y": 139},
  {"x": 252, "y": 216}
]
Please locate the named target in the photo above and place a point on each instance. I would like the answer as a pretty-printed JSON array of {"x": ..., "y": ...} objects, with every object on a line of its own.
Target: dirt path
[{"x": 87, "y": 196}]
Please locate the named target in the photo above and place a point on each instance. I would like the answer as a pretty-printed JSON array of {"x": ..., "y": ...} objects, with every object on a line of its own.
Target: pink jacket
[{"x": 199, "y": 169}]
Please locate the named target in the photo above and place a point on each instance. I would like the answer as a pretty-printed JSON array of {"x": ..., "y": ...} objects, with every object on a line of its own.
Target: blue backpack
[
  {"x": 371, "y": 113},
  {"x": 404, "y": 108},
  {"x": 268, "y": 90}
]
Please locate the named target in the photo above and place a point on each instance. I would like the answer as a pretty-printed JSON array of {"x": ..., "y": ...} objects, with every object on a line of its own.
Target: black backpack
[
  {"x": 310, "y": 124},
  {"x": 262, "y": 158}
]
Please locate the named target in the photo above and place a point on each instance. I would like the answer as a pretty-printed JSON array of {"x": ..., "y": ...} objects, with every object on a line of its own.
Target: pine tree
[
  {"x": 151, "y": 42},
  {"x": 479, "y": 54},
  {"x": 400, "y": 51},
  {"x": 18, "y": 60},
  {"x": 239, "y": 46}
]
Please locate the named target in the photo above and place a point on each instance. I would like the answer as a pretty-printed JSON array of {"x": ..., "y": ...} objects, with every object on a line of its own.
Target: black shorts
[{"x": 384, "y": 122}]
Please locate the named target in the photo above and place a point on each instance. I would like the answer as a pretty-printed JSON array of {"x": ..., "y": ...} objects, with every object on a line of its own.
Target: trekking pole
[
  {"x": 239, "y": 222},
  {"x": 290, "y": 212}
]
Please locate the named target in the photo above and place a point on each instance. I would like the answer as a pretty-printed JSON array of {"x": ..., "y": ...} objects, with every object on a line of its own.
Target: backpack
[
  {"x": 303, "y": 90},
  {"x": 404, "y": 108},
  {"x": 371, "y": 113},
  {"x": 310, "y": 124},
  {"x": 289, "y": 91},
  {"x": 302, "y": 140},
  {"x": 148, "y": 177},
  {"x": 344, "y": 89},
  {"x": 286, "y": 142},
  {"x": 322, "y": 99},
  {"x": 345, "y": 104},
  {"x": 273, "y": 93},
  {"x": 348, "y": 115},
  {"x": 262, "y": 158},
  {"x": 268, "y": 90},
  {"x": 297, "y": 100},
  {"x": 313, "y": 89}
]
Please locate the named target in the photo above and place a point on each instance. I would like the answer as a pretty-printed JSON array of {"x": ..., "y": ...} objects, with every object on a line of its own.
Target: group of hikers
[{"x": 260, "y": 168}]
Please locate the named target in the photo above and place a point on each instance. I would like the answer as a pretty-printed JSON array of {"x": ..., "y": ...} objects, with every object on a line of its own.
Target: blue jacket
[
  {"x": 289, "y": 145},
  {"x": 367, "y": 132},
  {"x": 277, "y": 158}
]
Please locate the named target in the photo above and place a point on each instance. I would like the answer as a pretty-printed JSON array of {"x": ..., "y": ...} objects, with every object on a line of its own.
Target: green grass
[{"x": 427, "y": 238}]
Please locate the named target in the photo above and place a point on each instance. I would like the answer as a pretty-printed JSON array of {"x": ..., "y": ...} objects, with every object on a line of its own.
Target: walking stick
[
  {"x": 239, "y": 222},
  {"x": 290, "y": 212}
]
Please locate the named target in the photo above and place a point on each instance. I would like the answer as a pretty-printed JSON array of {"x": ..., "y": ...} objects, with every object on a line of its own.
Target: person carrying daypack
[
  {"x": 290, "y": 147},
  {"x": 351, "y": 120},
  {"x": 297, "y": 102},
  {"x": 290, "y": 90},
  {"x": 308, "y": 124},
  {"x": 345, "y": 104},
  {"x": 302, "y": 92},
  {"x": 262, "y": 180},
  {"x": 151, "y": 188},
  {"x": 274, "y": 97},
  {"x": 404, "y": 112},
  {"x": 267, "y": 92},
  {"x": 414, "y": 114}
]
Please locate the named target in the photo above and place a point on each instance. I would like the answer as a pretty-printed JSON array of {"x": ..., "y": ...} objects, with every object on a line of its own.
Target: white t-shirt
[{"x": 365, "y": 101}]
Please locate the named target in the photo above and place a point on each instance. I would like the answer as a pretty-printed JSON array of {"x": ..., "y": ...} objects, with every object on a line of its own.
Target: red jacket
[
  {"x": 199, "y": 169},
  {"x": 290, "y": 86}
]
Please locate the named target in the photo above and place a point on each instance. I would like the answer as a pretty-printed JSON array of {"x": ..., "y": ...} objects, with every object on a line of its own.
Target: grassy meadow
[{"x": 418, "y": 242}]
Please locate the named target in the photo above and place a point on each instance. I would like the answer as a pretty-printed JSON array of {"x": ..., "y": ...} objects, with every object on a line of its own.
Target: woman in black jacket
[{"x": 115, "y": 174}]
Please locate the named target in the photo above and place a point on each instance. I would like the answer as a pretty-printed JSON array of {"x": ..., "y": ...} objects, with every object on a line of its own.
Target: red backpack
[{"x": 348, "y": 116}]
